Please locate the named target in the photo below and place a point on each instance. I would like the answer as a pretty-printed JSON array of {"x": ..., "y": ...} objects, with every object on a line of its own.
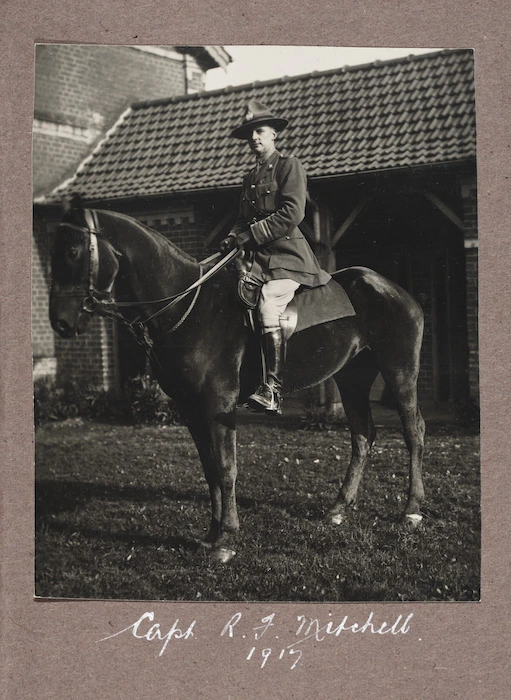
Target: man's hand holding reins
[{"x": 234, "y": 240}]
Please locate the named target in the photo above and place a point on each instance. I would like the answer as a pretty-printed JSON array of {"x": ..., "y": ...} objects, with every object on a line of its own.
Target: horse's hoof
[
  {"x": 412, "y": 521},
  {"x": 223, "y": 554},
  {"x": 337, "y": 518},
  {"x": 206, "y": 544}
]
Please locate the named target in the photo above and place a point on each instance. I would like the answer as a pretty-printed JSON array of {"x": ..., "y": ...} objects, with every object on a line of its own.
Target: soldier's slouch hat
[{"x": 256, "y": 115}]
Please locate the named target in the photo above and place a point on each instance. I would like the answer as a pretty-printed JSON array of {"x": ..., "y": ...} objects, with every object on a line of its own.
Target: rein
[
  {"x": 104, "y": 304},
  {"x": 196, "y": 285}
]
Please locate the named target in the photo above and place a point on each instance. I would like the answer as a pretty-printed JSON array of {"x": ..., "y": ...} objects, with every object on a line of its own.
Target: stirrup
[{"x": 266, "y": 399}]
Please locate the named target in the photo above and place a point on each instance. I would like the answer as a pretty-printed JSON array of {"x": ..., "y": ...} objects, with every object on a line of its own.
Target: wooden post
[
  {"x": 333, "y": 398},
  {"x": 327, "y": 392}
]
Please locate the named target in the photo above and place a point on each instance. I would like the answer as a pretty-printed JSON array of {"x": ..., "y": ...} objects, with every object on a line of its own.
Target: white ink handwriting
[
  {"x": 154, "y": 632},
  {"x": 313, "y": 629}
]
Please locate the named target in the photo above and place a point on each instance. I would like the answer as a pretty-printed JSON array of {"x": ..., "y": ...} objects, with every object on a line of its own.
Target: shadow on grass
[
  {"x": 54, "y": 497},
  {"x": 131, "y": 537}
]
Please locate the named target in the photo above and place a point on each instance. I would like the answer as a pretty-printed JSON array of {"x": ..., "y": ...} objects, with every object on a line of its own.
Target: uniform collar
[
  {"x": 271, "y": 159},
  {"x": 261, "y": 168}
]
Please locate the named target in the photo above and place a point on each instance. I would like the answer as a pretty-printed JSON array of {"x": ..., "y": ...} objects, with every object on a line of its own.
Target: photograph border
[{"x": 52, "y": 647}]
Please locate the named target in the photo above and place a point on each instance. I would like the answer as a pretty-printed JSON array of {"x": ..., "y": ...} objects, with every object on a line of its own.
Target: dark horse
[{"x": 207, "y": 360}]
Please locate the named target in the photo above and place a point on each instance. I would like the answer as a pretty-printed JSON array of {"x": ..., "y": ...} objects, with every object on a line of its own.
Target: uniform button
[
  {"x": 270, "y": 165},
  {"x": 252, "y": 186},
  {"x": 253, "y": 201},
  {"x": 287, "y": 238}
]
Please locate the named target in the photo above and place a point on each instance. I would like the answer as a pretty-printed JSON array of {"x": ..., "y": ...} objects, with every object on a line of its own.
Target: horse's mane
[{"x": 156, "y": 234}]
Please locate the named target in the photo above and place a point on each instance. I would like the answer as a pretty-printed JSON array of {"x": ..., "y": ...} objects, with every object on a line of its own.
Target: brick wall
[
  {"x": 91, "y": 85},
  {"x": 88, "y": 88},
  {"x": 178, "y": 224},
  {"x": 42, "y": 335},
  {"x": 189, "y": 222},
  {"x": 89, "y": 358},
  {"x": 54, "y": 158},
  {"x": 194, "y": 75}
]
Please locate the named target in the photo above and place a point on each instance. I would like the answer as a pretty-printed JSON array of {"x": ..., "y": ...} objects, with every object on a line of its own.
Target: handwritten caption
[{"x": 263, "y": 637}]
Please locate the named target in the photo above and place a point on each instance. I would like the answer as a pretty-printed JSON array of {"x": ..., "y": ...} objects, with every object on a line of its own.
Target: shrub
[
  {"x": 318, "y": 416},
  {"x": 145, "y": 403},
  {"x": 142, "y": 402},
  {"x": 54, "y": 402},
  {"x": 42, "y": 408}
]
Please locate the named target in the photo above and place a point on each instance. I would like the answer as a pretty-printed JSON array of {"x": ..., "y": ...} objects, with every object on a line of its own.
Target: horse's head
[{"x": 83, "y": 267}]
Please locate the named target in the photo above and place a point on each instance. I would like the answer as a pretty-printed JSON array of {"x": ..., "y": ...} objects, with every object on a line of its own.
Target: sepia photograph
[{"x": 255, "y": 324}]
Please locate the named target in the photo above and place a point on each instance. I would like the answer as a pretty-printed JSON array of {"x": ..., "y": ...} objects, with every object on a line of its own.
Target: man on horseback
[{"x": 277, "y": 257}]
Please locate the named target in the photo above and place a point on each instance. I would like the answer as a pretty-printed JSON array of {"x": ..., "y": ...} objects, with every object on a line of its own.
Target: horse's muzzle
[
  {"x": 63, "y": 328},
  {"x": 68, "y": 320}
]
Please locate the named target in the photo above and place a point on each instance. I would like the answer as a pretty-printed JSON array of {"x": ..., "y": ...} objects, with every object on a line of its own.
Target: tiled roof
[{"x": 405, "y": 112}]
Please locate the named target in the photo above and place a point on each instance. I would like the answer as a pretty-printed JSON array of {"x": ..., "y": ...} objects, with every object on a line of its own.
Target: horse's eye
[{"x": 73, "y": 253}]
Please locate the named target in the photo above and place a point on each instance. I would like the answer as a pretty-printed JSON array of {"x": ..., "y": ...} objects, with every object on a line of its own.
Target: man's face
[{"x": 262, "y": 140}]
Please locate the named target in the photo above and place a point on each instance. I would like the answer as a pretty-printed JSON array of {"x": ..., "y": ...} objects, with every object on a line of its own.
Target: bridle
[
  {"x": 102, "y": 302},
  {"x": 91, "y": 295},
  {"x": 88, "y": 304}
]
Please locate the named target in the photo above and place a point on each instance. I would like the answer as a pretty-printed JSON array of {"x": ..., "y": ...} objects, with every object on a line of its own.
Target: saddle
[{"x": 309, "y": 307}]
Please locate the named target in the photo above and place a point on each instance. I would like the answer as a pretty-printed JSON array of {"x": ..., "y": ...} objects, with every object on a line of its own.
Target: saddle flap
[
  {"x": 288, "y": 320},
  {"x": 249, "y": 292}
]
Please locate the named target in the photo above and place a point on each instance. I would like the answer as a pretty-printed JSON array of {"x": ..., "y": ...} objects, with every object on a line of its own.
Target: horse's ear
[{"x": 71, "y": 201}]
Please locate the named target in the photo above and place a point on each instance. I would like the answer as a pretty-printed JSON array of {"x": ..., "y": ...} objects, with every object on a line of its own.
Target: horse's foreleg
[
  {"x": 215, "y": 437},
  {"x": 354, "y": 382},
  {"x": 198, "y": 429},
  {"x": 215, "y": 495},
  {"x": 223, "y": 459},
  {"x": 224, "y": 446}
]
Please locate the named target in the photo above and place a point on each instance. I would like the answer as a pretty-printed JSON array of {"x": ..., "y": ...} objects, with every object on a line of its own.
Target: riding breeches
[{"x": 275, "y": 296}]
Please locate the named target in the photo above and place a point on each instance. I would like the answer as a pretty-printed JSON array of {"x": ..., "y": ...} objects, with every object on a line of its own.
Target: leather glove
[
  {"x": 243, "y": 238},
  {"x": 234, "y": 241},
  {"x": 227, "y": 244}
]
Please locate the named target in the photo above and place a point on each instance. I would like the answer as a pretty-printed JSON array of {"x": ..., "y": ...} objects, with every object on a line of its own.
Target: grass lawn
[{"x": 120, "y": 510}]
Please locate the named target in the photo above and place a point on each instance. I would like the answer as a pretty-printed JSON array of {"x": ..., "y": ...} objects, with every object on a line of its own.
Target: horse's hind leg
[
  {"x": 354, "y": 382},
  {"x": 403, "y": 383}
]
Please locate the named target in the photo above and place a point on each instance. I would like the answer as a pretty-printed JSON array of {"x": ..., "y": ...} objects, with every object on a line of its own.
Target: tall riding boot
[{"x": 268, "y": 397}]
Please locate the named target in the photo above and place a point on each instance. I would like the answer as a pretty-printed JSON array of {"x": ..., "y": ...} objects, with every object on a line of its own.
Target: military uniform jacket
[{"x": 272, "y": 206}]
